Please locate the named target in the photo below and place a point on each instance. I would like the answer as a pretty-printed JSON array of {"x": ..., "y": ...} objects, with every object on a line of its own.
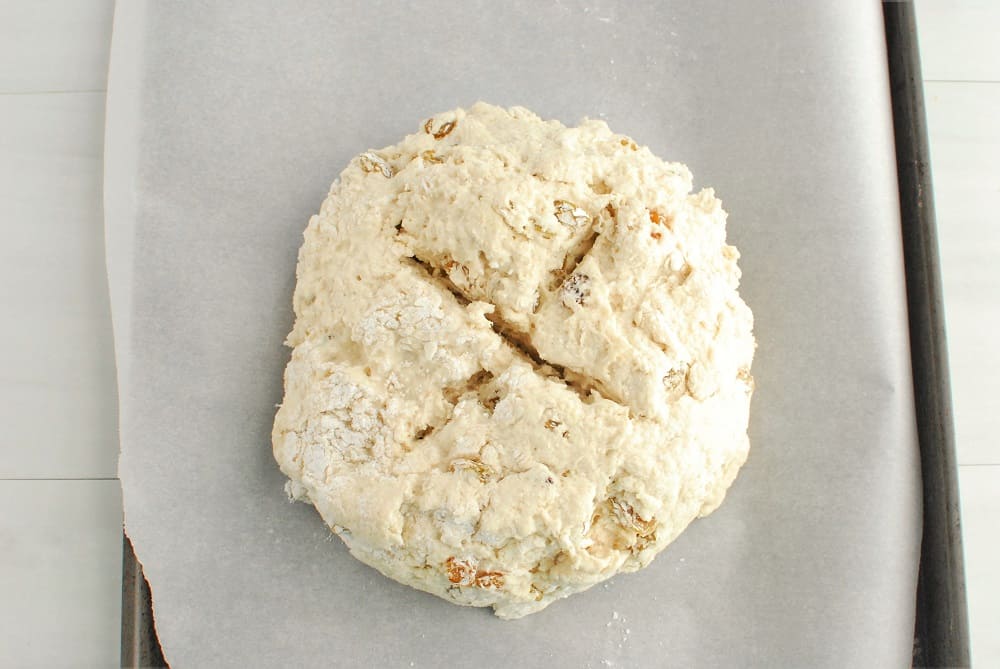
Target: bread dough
[{"x": 520, "y": 361}]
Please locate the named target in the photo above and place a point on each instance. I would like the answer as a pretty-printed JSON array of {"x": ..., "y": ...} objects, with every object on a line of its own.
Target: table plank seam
[
  {"x": 59, "y": 478},
  {"x": 961, "y": 81},
  {"x": 54, "y": 92}
]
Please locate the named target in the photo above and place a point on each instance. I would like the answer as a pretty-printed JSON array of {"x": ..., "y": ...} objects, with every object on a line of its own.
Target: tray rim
[{"x": 941, "y": 631}]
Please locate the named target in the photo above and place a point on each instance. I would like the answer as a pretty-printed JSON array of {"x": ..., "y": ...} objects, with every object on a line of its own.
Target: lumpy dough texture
[{"x": 520, "y": 365}]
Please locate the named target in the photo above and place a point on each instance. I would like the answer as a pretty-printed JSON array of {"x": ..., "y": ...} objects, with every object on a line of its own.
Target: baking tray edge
[{"x": 941, "y": 635}]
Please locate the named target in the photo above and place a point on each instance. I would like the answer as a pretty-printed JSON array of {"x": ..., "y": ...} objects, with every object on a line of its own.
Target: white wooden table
[{"x": 60, "y": 505}]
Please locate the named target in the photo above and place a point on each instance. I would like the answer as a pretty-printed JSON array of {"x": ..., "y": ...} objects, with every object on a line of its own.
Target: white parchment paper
[{"x": 227, "y": 121}]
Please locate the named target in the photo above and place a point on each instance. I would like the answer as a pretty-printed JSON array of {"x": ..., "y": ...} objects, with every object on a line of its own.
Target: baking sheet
[{"x": 226, "y": 125}]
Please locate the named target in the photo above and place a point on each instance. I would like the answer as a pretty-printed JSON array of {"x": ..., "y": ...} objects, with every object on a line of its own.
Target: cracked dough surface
[{"x": 520, "y": 365}]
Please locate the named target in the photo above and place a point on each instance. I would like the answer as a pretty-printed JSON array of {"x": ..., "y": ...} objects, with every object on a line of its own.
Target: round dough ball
[{"x": 520, "y": 361}]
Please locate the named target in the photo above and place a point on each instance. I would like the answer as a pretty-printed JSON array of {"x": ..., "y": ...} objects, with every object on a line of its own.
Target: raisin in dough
[{"x": 520, "y": 361}]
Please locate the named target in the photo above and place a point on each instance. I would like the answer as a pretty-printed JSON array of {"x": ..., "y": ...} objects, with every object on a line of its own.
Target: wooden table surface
[{"x": 60, "y": 503}]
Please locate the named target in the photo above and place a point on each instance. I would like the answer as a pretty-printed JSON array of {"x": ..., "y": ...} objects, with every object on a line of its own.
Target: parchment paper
[{"x": 227, "y": 123}]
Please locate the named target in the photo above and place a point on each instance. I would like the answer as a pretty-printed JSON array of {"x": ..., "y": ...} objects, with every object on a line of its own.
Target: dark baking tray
[
  {"x": 941, "y": 634},
  {"x": 940, "y": 637},
  {"x": 140, "y": 646}
]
